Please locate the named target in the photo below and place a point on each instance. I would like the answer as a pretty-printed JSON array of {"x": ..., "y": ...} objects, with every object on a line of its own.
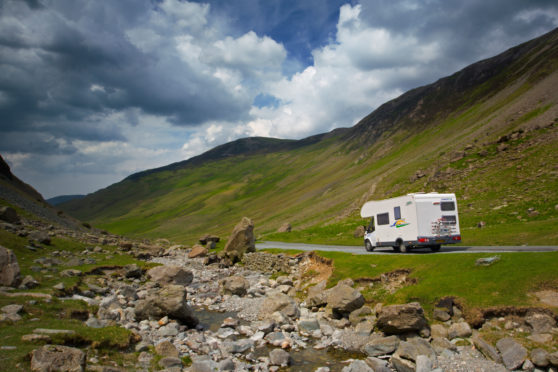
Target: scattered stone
[
  {"x": 381, "y": 346},
  {"x": 133, "y": 271},
  {"x": 46, "y": 331},
  {"x": 423, "y": 364},
  {"x": 441, "y": 345},
  {"x": 235, "y": 285},
  {"x": 487, "y": 261},
  {"x": 461, "y": 330},
  {"x": 438, "y": 330},
  {"x": 70, "y": 272},
  {"x": 208, "y": 239},
  {"x": 9, "y": 215},
  {"x": 441, "y": 315},
  {"x": 278, "y": 302},
  {"x": 553, "y": 358},
  {"x": 166, "y": 349},
  {"x": 57, "y": 358},
  {"x": 59, "y": 287},
  {"x": 541, "y": 323},
  {"x": 169, "y": 362},
  {"x": 36, "y": 338},
  {"x": 12, "y": 309},
  {"x": 28, "y": 283},
  {"x": 41, "y": 237},
  {"x": 357, "y": 366},
  {"x": 241, "y": 240},
  {"x": 486, "y": 349},
  {"x": 513, "y": 353},
  {"x": 378, "y": 365},
  {"x": 9, "y": 268},
  {"x": 170, "y": 275},
  {"x": 169, "y": 300},
  {"x": 286, "y": 227},
  {"x": 198, "y": 251},
  {"x": 317, "y": 295},
  {"x": 539, "y": 357},
  {"x": 343, "y": 299},
  {"x": 397, "y": 319},
  {"x": 414, "y": 347},
  {"x": 279, "y": 357}
]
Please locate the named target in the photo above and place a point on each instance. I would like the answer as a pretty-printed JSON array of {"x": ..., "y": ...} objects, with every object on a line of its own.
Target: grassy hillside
[{"x": 487, "y": 133}]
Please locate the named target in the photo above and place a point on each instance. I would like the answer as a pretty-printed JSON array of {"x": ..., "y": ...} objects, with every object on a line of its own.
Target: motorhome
[{"x": 412, "y": 221}]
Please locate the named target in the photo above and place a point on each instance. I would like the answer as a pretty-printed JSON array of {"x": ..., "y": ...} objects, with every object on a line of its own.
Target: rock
[
  {"x": 235, "y": 285},
  {"x": 343, "y": 299},
  {"x": 230, "y": 323},
  {"x": 487, "y": 261},
  {"x": 361, "y": 314},
  {"x": 209, "y": 238},
  {"x": 441, "y": 315},
  {"x": 203, "y": 364},
  {"x": 170, "y": 275},
  {"x": 381, "y": 346},
  {"x": 539, "y": 357},
  {"x": 401, "y": 364},
  {"x": 461, "y": 330},
  {"x": 12, "y": 309},
  {"x": 132, "y": 271},
  {"x": 166, "y": 349},
  {"x": 286, "y": 227},
  {"x": 553, "y": 358},
  {"x": 28, "y": 283},
  {"x": 41, "y": 237},
  {"x": 278, "y": 302},
  {"x": 227, "y": 365},
  {"x": 378, "y": 365},
  {"x": 308, "y": 325},
  {"x": 198, "y": 251},
  {"x": 317, "y": 295},
  {"x": 169, "y": 300},
  {"x": 238, "y": 347},
  {"x": 59, "y": 287},
  {"x": 57, "y": 358},
  {"x": 423, "y": 364},
  {"x": 513, "y": 353},
  {"x": 241, "y": 240},
  {"x": 357, "y": 366},
  {"x": 481, "y": 224},
  {"x": 9, "y": 268},
  {"x": 8, "y": 214},
  {"x": 441, "y": 344},
  {"x": 541, "y": 338},
  {"x": 486, "y": 349},
  {"x": 414, "y": 347},
  {"x": 70, "y": 272},
  {"x": 541, "y": 323},
  {"x": 36, "y": 338},
  {"x": 279, "y": 357},
  {"x": 397, "y": 319},
  {"x": 527, "y": 366},
  {"x": 359, "y": 232},
  {"x": 168, "y": 330},
  {"x": 169, "y": 362},
  {"x": 438, "y": 330}
]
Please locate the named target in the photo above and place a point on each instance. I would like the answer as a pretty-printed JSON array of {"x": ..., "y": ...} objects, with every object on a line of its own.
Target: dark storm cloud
[{"x": 64, "y": 63}]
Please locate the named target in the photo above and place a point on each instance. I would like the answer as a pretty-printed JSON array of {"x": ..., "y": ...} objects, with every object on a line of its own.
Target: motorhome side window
[
  {"x": 448, "y": 206},
  {"x": 450, "y": 220},
  {"x": 397, "y": 213},
  {"x": 383, "y": 219}
]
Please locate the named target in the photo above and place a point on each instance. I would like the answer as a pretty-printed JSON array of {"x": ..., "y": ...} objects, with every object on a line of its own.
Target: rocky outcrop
[
  {"x": 168, "y": 301},
  {"x": 170, "y": 275},
  {"x": 398, "y": 319},
  {"x": 57, "y": 358},
  {"x": 9, "y": 268},
  {"x": 241, "y": 240}
]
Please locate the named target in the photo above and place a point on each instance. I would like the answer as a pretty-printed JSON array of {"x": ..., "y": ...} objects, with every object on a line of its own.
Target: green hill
[{"x": 488, "y": 133}]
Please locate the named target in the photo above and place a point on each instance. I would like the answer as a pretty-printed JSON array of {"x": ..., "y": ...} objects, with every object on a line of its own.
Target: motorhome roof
[{"x": 369, "y": 208}]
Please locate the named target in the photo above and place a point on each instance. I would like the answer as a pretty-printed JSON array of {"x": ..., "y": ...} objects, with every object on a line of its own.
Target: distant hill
[
  {"x": 487, "y": 133},
  {"x": 62, "y": 199}
]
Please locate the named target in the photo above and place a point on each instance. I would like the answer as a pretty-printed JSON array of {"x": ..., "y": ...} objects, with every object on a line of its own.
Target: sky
[{"x": 92, "y": 91}]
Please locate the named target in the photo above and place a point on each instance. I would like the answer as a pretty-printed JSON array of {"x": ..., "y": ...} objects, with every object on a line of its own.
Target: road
[{"x": 445, "y": 249}]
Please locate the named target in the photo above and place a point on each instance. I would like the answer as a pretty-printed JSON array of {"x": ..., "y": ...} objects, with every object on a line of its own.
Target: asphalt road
[{"x": 445, "y": 248}]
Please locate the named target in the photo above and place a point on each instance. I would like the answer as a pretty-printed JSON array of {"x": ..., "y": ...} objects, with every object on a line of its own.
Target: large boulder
[
  {"x": 541, "y": 323},
  {"x": 235, "y": 285},
  {"x": 8, "y": 214},
  {"x": 198, "y": 251},
  {"x": 317, "y": 295},
  {"x": 39, "y": 236},
  {"x": 57, "y": 358},
  {"x": 278, "y": 302},
  {"x": 343, "y": 299},
  {"x": 513, "y": 353},
  {"x": 241, "y": 240},
  {"x": 9, "y": 268},
  {"x": 170, "y": 275},
  {"x": 168, "y": 301},
  {"x": 397, "y": 319}
]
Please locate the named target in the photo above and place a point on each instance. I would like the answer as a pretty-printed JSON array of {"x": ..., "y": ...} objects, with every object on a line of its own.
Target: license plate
[{"x": 440, "y": 241}]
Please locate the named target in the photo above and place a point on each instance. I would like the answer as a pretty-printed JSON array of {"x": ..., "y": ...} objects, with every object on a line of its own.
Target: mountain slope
[{"x": 488, "y": 133}]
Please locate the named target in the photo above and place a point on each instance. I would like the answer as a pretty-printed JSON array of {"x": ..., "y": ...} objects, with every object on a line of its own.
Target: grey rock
[
  {"x": 28, "y": 283},
  {"x": 461, "y": 330},
  {"x": 8, "y": 214},
  {"x": 360, "y": 314},
  {"x": 317, "y": 295},
  {"x": 357, "y": 366},
  {"x": 203, "y": 365},
  {"x": 440, "y": 344},
  {"x": 142, "y": 346},
  {"x": 553, "y": 358},
  {"x": 226, "y": 364},
  {"x": 279, "y": 357},
  {"x": 59, "y": 287},
  {"x": 166, "y": 349},
  {"x": 57, "y": 358},
  {"x": 170, "y": 275},
  {"x": 235, "y": 285},
  {"x": 397, "y": 319},
  {"x": 9, "y": 268},
  {"x": 279, "y": 302},
  {"x": 41, "y": 237},
  {"x": 423, "y": 364},
  {"x": 486, "y": 349},
  {"x": 308, "y": 325},
  {"x": 241, "y": 240},
  {"x": 438, "y": 330},
  {"x": 378, "y": 365},
  {"x": 441, "y": 315},
  {"x": 401, "y": 364},
  {"x": 12, "y": 309},
  {"x": 539, "y": 357},
  {"x": 265, "y": 326},
  {"x": 169, "y": 300},
  {"x": 169, "y": 362},
  {"x": 487, "y": 261},
  {"x": 541, "y": 323},
  {"x": 513, "y": 353},
  {"x": 528, "y": 366},
  {"x": 170, "y": 329},
  {"x": 343, "y": 299},
  {"x": 93, "y": 322},
  {"x": 132, "y": 271},
  {"x": 240, "y": 346},
  {"x": 381, "y": 346},
  {"x": 414, "y": 347}
]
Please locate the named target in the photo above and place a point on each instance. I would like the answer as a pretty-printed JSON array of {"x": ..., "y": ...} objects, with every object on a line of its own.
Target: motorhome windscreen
[{"x": 448, "y": 206}]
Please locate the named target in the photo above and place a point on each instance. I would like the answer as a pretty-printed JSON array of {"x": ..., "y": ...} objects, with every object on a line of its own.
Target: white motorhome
[{"x": 414, "y": 220}]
